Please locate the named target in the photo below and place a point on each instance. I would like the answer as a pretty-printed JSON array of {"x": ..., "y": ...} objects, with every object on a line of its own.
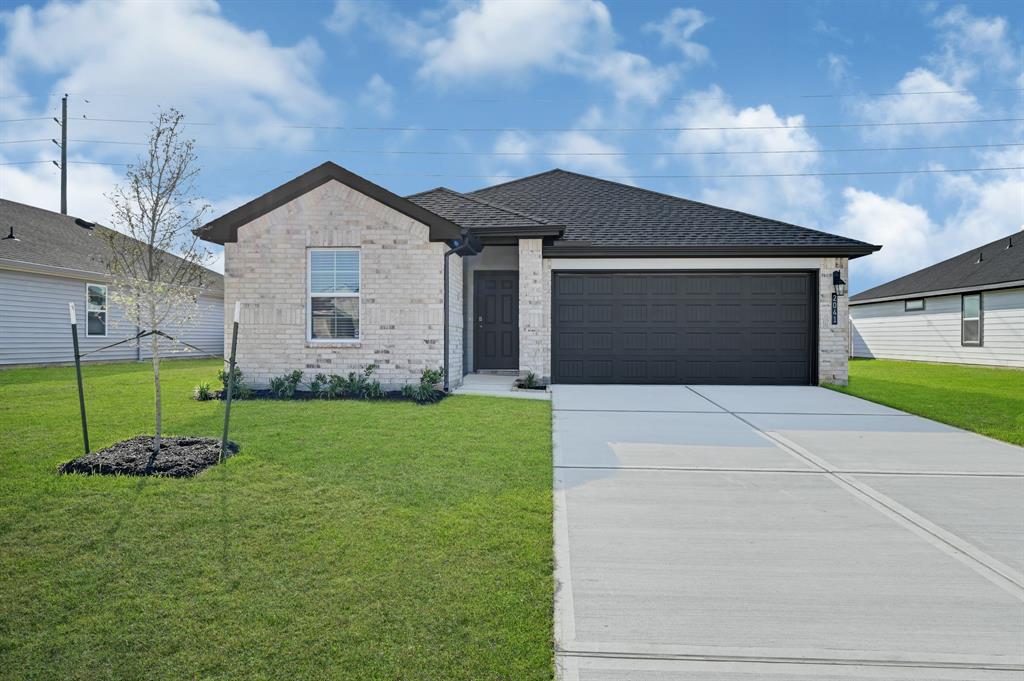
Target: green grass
[
  {"x": 985, "y": 400},
  {"x": 348, "y": 540}
]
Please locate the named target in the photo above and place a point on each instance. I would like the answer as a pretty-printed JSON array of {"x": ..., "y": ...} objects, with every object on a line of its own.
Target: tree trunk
[{"x": 155, "y": 345}]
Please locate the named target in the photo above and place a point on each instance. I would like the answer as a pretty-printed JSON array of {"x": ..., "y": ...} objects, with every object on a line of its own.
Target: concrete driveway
[{"x": 738, "y": 533}]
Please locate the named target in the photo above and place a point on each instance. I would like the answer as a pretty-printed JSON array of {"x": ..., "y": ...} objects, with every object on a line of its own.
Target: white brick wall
[
  {"x": 534, "y": 309},
  {"x": 402, "y": 289},
  {"x": 833, "y": 341}
]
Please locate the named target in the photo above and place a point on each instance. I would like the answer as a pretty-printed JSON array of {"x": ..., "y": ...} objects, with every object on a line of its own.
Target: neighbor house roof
[
  {"x": 60, "y": 244},
  {"x": 225, "y": 228},
  {"x": 997, "y": 263},
  {"x": 604, "y": 216}
]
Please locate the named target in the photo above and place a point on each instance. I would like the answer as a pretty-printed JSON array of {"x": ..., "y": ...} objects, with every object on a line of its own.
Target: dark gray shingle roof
[
  {"x": 53, "y": 240},
  {"x": 603, "y": 213},
  {"x": 472, "y": 212},
  {"x": 1000, "y": 263}
]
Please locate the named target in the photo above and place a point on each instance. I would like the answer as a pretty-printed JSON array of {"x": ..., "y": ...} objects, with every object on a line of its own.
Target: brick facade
[
  {"x": 401, "y": 297},
  {"x": 534, "y": 310},
  {"x": 833, "y": 340}
]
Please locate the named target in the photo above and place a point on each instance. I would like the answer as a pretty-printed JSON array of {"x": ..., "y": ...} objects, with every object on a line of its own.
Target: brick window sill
[{"x": 333, "y": 346}]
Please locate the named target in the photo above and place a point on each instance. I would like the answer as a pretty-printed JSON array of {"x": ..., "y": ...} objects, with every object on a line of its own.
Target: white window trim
[
  {"x": 980, "y": 319},
  {"x": 105, "y": 311},
  {"x": 309, "y": 299}
]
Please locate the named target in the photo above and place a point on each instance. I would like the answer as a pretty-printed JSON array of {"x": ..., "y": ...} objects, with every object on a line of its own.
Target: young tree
[{"x": 154, "y": 212}]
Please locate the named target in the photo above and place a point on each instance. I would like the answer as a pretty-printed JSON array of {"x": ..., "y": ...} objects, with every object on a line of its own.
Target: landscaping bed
[{"x": 179, "y": 457}]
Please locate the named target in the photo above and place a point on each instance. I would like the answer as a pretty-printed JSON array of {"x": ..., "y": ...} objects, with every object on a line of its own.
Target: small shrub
[
  {"x": 318, "y": 386},
  {"x": 531, "y": 380},
  {"x": 359, "y": 386},
  {"x": 426, "y": 391},
  {"x": 202, "y": 392},
  {"x": 284, "y": 387},
  {"x": 242, "y": 391},
  {"x": 374, "y": 391}
]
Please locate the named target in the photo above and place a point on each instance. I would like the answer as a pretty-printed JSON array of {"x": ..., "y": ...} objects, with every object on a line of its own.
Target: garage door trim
[{"x": 814, "y": 292}]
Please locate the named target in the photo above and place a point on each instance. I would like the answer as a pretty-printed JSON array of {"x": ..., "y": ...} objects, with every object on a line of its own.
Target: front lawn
[
  {"x": 986, "y": 400},
  {"x": 348, "y": 540}
]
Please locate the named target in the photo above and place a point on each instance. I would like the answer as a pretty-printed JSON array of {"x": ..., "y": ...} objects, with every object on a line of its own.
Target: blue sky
[{"x": 274, "y": 88}]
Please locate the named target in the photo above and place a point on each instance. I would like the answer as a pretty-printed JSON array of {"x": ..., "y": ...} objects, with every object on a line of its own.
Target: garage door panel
[{"x": 731, "y": 328}]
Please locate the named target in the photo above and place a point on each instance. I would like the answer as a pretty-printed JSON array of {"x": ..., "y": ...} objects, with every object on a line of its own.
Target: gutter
[
  {"x": 469, "y": 244},
  {"x": 584, "y": 250}
]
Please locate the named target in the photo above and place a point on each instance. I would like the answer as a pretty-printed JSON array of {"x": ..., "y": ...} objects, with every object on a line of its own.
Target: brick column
[
  {"x": 534, "y": 311},
  {"x": 833, "y": 340}
]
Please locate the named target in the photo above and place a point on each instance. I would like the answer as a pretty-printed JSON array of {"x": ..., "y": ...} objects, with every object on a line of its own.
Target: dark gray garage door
[{"x": 707, "y": 327}]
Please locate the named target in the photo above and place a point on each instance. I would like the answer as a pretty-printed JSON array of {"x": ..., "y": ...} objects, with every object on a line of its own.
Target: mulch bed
[{"x": 179, "y": 457}]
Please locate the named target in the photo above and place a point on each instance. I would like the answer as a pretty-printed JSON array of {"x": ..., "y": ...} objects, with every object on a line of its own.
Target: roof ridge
[
  {"x": 504, "y": 208},
  {"x": 692, "y": 201},
  {"x": 519, "y": 179}
]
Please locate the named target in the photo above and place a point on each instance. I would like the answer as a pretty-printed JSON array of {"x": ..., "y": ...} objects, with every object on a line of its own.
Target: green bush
[
  {"x": 202, "y": 392},
  {"x": 242, "y": 391},
  {"x": 531, "y": 380},
  {"x": 426, "y": 391},
  {"x": 284, "y": 387}
]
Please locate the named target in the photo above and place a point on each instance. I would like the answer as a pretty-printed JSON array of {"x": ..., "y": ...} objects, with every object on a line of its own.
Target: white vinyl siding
[
  {"x": 885, "y": 330},
  {"x": 333, "y": 300},
  {"x": 35, "y": 329}
]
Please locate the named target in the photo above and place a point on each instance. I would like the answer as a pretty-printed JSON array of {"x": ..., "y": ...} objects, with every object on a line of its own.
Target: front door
[{"x": 496, "y": 320}]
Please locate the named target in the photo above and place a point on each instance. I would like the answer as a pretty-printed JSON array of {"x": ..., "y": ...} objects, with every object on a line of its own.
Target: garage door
[{"x": 697, "y": 327}]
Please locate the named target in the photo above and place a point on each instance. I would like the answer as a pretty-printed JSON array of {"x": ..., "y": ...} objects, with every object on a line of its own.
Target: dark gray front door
[
  {"x": 695, "y": 327},
  {"x": 496, "y": 320}
]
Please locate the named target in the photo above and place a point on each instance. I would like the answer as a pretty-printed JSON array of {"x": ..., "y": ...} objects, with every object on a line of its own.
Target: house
[
  {"x": 965, "y": 310},
  {"x": 48, "y": 260},
  {"x": 573, "y": 278}
]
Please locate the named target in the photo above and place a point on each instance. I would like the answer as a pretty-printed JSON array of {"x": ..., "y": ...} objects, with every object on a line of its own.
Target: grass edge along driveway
[
  {"x": 347, "y": 540},
  {"x": 985, "y": 400}
]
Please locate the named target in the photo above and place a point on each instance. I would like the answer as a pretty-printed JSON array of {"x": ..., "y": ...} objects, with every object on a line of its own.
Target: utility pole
[{"x": 63, "y": 144}]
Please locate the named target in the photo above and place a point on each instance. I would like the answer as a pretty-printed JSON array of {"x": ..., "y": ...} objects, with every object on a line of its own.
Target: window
[
  {"x": 333, "y": 294},
  {"x": 95, "y": 310},
  {"x": 970, "y": 319},
  {"x": 913, "y": 305}
]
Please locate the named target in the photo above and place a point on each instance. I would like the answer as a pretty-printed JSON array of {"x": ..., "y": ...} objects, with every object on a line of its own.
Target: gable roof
[
  {"x": 55, "y": 243},
  {"x": 1001, "y": 262},
  {"x": 601, "y": 215},
  {"x": 225, "y": 228}
]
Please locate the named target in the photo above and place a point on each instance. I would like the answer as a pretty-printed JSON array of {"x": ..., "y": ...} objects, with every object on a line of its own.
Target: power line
[
  {"x": 438, "y": 152},
  {"x": 635, "y": 176},
  {"x": 521, "y": 98},
  {"x": 368, "y": 128}
]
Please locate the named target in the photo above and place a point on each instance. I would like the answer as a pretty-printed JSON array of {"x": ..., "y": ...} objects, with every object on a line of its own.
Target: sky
[{"x": 848, "y": 114}]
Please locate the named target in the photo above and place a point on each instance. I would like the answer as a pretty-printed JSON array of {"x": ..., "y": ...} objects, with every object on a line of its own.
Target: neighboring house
[
  {"x": 580, "y": 280},
  {"x": 57, "y": 259},
  {"x": 965, "y": 310}
]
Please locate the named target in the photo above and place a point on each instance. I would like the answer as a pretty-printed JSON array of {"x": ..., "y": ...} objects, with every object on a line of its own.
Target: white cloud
[
  {"x": 379, "y": 96},
  {"x": 39, "y": 185},
  {"x": 477, "y": 41},
  {"x": 797, "y": 199},
  {"x": 577, "y": 142},
  {"x": 961, "y": 105},
  {"x": 515, "y": 146},
  {"x": 969, "y": 46},
  {"x": 838, "y": 68},
  {"x": 183, "y": 54},
  {"x": 677, "y": 29},
  {"x": 904, "y": 230},
  {"x": 988, "y": 208}
]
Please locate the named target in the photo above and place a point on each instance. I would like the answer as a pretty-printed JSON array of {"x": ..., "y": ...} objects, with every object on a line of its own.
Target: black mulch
[{"x": 179, "y": 457}]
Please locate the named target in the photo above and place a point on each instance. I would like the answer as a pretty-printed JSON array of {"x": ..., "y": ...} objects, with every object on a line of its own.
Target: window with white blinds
[{"x": 333, "y": 276}]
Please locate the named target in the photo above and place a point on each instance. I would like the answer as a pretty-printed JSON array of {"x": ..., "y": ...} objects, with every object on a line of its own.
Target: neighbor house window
[
  {"x": 95, "y": 310},
  {"x": 970, "y": 319},
  {"x": 333, "y": 294},
  {"x": 913, "y": 305}
]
